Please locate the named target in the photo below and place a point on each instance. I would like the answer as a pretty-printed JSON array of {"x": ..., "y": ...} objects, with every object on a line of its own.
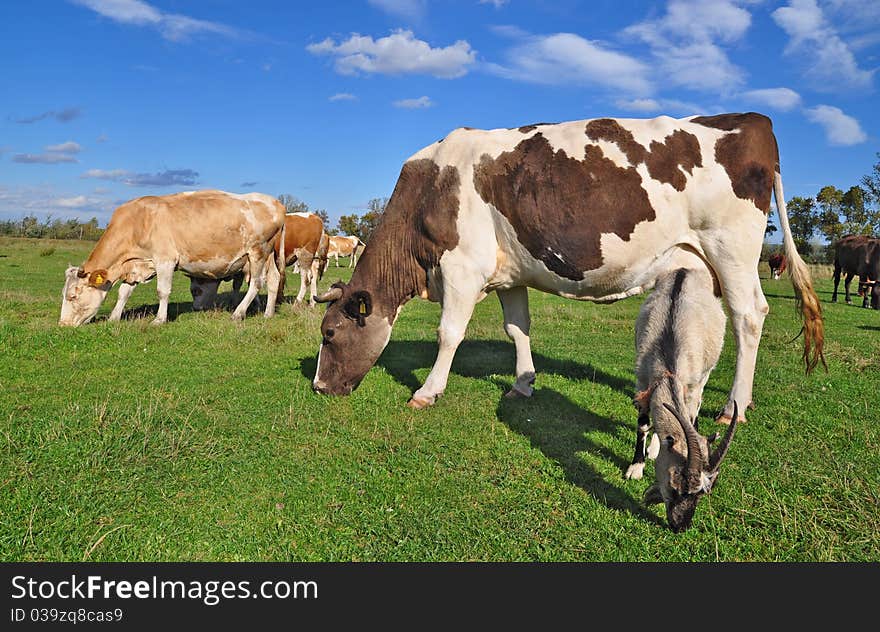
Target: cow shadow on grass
[
  {"x": 869, "y": 328},
  {"x": 553, "y": 423},
  {"x": 225, "y": 302}
]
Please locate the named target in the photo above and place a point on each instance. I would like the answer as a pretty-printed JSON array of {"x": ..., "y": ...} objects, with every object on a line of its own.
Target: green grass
[{"x": 202, "y": 439}]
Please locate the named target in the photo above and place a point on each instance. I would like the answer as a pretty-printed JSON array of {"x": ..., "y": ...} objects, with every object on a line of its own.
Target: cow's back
[
  {"x": 593, "y": 208},
  {"x": 302, "y": 230}
]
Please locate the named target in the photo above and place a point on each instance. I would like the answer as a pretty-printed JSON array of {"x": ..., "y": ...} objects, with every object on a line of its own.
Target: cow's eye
[{"x": 329, "y": 334}]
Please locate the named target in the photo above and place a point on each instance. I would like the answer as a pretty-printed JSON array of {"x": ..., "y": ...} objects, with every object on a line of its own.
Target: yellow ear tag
[
  {"x": 99, "y": 280},
  {"x": 363, "y": 308}
]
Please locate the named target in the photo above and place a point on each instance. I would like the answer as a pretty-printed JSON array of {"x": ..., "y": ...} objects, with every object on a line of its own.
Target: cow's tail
[
  {"x": 806, "y": 299},
  {"x": 281, "y": 261}
]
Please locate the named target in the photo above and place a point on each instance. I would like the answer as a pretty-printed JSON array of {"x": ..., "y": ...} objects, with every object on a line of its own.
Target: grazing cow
[
  {"x": 304, "y": 234},
  {"x": 206, "y": 234},
  {"x": 345, "y": 246},
  {"x": 679, "y": 336},
  {"x": 303, "y": 241},
  {"x": 777, "y": 265},
  {"x": 204, "y": 291},
  {"x": 858, "y": 255},
  {"x": 591, "y": 210}
]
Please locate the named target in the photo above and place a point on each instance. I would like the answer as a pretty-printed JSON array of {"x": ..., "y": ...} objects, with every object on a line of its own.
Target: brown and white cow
[
  {"x": 345, "y": 246},
  {"x": 206, "y": 234},
  {"x": 858, "y": 255},
  {"x": 303, "y": 246},
  {"x": 591, "y": 210},
  {"x": 777, "y": 265}
]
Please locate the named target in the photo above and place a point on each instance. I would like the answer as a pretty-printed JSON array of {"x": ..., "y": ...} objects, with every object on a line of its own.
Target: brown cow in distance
[
  {"x": 305, "y": 232},
  {"x": 777, "y": 265},
  {"x": 858, "y": 255}
]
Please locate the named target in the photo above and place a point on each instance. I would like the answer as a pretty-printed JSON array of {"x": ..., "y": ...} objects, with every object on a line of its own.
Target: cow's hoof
[
  {"x": 420, "y": 402},
  {"x": 726, "y": 419},
  {"x": 158, "y": 321},
  {"x": 518, "y": 391},
  {"x": 635, "y": 471}
]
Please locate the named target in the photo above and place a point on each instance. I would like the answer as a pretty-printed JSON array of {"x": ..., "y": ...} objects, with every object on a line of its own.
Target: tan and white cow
[
  {"x": 345, "y": 246},
  {"x": 591, "y": 210},
  {"x": 206, "y": 234}
]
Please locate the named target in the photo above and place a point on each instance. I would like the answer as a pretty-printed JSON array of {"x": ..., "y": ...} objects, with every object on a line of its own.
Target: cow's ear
[
  {"x": 98, "y": 279},
  {"x": 359, "y": 306}
]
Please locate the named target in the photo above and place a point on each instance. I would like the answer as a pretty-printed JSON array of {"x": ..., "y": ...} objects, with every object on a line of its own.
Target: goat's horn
[
  {"x": 694, "y": 469},
  {"x": 718, "y": 455},
  {"x": 333, "y": 294}
]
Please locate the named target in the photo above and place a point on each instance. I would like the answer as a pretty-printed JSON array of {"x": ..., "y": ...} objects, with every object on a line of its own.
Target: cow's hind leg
[
  {"x": 747, "y": 307},
  {"x": 846, "y": 283},
  {"x": 458, "y": 303},
  {"x": 164, "y": 275},
  {"x": 273, "y": 284},
  {"x": 255, "y": 284},
  {"x": 125, "y": 290},
  {"x": 515, "y": 306}
]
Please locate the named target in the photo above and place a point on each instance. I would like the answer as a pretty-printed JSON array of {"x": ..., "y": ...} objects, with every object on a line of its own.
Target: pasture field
[{"x": 202, "y": 439}]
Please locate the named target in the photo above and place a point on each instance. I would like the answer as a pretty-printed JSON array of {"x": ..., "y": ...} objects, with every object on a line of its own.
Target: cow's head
[
  {"x": 82, "y": 295},
  {"x": 686, "y": 470},
  {"x": 354, "y": 332},
  {"x": 204, "y": 293}
]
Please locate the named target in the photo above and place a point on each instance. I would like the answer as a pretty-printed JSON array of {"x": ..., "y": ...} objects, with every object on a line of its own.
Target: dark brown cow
[
  {"x": 777, "y": 265},
  {"x": 591, "y": 210},
  {"x": 858, "y": 255}
]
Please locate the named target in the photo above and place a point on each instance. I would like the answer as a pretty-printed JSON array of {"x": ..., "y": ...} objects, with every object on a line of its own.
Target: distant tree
[
  {"x": 871, "y": 182},
  {"x": 363, "y": 226},
  {"x": 829, "y": 201},
  {"x": 293, "y": 204},
  {"x": 803, "y": 220},
  {"x": 770, "y": 229}
]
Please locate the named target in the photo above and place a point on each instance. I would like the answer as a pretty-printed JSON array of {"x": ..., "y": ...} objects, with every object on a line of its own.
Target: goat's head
[{"x": 687, "y": 470}]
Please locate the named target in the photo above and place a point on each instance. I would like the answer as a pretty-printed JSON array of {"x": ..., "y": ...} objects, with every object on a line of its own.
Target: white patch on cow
[
  {"x": 318, "y": 368},
  {"x": 301, "y": 214}
]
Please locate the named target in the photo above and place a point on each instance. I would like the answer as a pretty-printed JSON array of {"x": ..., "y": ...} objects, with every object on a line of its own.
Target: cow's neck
[
  {"x": 392, "y": 276},
  {"x": 109, "y": 254}
]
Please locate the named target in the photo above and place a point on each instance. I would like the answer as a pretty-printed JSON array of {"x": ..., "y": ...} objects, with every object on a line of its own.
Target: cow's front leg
[
  {"x": 515, "y": 306},
  {"x": 164, "y": 275},
  {"x": 125, "y": 290},
  {"x": 636, "y": 469},
  {"x": 459, "y": 299},
  {"x": 846, "y": 284}
]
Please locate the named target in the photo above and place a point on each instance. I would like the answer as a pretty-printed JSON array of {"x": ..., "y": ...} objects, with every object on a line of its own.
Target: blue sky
[{"x": 103, "y": 101}]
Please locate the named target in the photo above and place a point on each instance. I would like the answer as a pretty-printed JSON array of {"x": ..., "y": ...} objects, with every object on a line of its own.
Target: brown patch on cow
[
  {"x": 611, "y": 130},
  {"x": 418, "y": 226},
  {"x": 665, "y": 161},
  {"x": 680, "y": 150},
  {"x": 560, "y": 206},
  {"x": 749, "y": 154},
  {"x": 526, "y": 129}
]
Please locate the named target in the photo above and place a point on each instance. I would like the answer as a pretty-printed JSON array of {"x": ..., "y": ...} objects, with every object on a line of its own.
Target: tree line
[{"x": 833, "y": 213}]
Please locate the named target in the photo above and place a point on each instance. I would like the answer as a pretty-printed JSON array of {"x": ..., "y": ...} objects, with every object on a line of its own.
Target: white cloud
[
  {"x": 396, "y": 54},
  {"x": 685, "y": 43},
  {"x": 49, "y": 158},
  {"x": 566, "y": 58},
  {"x": 77, "y": 201},
  {"x": 412, "y": 9},
  {"x": 171, "y": 26},
  {"x": 840, "y": 128},
  {"x": 830, "y": 62},
  {"x": 342, "y": 96},
  {"x": 69, "y": 147},
  {"x": 169, "y": 177},
  {"x": 413, "y": 104},
  {"x": 784, "y": 99},
  {"x": 496, "y": 3},
  {"x": 659, "y": 106},
  {"x": 639, "y": 105}
]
